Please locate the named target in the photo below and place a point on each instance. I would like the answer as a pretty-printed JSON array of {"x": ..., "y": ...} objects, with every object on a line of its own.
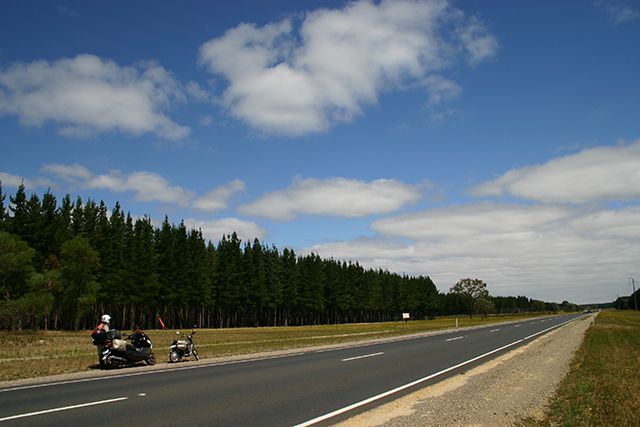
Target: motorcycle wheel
[
  {"x": 108, "y": 365},
  {"x": 174, "y": 356},
  {"x": 151, "y": 360}
]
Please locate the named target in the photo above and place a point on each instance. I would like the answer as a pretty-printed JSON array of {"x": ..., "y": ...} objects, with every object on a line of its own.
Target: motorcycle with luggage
[
  {"x": 181, "y": 348},
  {"x": 117, "y": 352}
]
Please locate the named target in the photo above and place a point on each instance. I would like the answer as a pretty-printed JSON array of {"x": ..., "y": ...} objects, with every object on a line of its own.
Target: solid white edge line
[
  {"x": 64, "y": 408},
  {"x": 362, "y": 357},
  {"x": 421, "y": 380}
]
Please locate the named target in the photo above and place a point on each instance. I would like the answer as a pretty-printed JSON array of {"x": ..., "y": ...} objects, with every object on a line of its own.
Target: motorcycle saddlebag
[{"x": 119, "y": 345}]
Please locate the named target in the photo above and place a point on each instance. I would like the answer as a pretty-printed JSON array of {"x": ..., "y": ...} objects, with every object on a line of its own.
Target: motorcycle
[
  {"x": 183, "y": 348},
  {"x": 116, "y": 352}
]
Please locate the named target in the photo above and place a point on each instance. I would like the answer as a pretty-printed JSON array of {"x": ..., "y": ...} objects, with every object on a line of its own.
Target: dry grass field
[{"x": 32, "y": 354}]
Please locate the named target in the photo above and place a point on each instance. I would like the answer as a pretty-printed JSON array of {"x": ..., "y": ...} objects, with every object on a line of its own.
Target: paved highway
[{"x": 307, "y": 388}]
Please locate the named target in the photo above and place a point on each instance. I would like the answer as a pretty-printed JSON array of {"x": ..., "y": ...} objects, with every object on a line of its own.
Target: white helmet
[{"x": 106, "y": 318}]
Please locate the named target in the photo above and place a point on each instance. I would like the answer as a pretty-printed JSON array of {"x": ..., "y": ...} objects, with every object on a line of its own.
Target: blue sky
[{"x": 498, "y": 140}]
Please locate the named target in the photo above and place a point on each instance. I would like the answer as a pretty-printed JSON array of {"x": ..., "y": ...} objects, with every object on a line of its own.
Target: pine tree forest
[{"x": 63, "y": 264}]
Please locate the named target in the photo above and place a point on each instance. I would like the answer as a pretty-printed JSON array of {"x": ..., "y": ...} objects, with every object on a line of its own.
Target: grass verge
[
  {"x": 603, "y": 385},
  {"x": 34, "y": 354}
]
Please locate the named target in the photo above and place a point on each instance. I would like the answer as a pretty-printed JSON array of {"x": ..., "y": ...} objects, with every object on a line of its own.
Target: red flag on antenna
[{"x": 162, "y": 323}]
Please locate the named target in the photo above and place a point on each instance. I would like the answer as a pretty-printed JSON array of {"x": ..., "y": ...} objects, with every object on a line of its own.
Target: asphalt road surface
[{"x": 307, "y": 388}]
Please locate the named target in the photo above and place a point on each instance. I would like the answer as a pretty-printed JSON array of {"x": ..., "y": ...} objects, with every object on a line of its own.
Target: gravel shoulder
[{"x": 501, "y": 392}]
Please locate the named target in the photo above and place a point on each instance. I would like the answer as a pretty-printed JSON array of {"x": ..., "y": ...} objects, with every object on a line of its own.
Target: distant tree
[
  {"x": 484, "y": 306},
  {"x": 3, "y": 213},
  {"x": 16, "y": 266},
  {"x": 48, "y": 244},
  {"x": 167, "y": 261},
  {"x": 198, "y": 272},
  {"x": 63, "y": 222},
  {"x": 311, "y": 289},
  {"x": 291, "y": 277},
  {"x": 621, "y": 303},
  {"x": 77, "y": 218},
  {"x": 430, "y": 297},
  {"x": 537, "y": 305},
  {"x": 475, "y": 288},
  {"x": 569, "y": 307},
  {"x": 112, "y": 256},
  {"x": 80, "y": 262},
  {"x": 231, "y": 292},
  {"x": 469, "y": 291},
  {"x": 38, "y": 303},
  {"x": 144, "y": 276},
  {"x": 255, "y": 277},
  {"x": 274, "y": 283},
  {"x": 18, "y": 208}
]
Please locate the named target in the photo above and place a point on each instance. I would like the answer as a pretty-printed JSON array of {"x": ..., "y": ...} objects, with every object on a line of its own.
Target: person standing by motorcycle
[{"x": 99, "y": 334}]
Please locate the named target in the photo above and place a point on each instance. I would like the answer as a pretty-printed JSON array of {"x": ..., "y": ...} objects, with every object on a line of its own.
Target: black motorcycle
[
  {"x": 116, "y": 352},
  {"x": 183, "y": 348}
]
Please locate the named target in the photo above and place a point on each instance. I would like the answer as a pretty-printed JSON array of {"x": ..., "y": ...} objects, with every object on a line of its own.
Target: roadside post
[{"x": 405, "y": 317}]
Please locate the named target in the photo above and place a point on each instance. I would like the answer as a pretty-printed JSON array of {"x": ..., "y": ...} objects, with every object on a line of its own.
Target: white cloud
[
  {"x": 470, "y": 221},
  {"x": 293, "y": 81},
  {"x": 592, "y": 175},
  {"x": 65, "y": 10},
  {"x": 218, "y": 198},
  {"x": 335, "y": 197},
  {"x": 551, "y": 251},
  {"x": 206, "y": 120},
  {"x": 69, "y": 173},
  {"x": 87, "y": 95},
  {"x": 617, "y": 11},
  {"x": 10, "y": 180},
  {"x": 214, "y": 230},
  {"x": 441, "y": 89},
  {"x": 479, "y": 44},
  {"x": 197, "y": 92},
  {"x": 547, "y": 253},
  {"x": 146, "y": 186}
]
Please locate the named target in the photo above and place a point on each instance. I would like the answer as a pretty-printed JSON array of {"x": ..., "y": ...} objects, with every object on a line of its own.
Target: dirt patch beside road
[{"x": 501, "y": 392}]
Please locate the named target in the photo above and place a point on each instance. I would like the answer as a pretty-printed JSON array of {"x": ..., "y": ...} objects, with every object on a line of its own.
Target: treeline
[
  {"x": 632, "y": 302},
  {"x": 64, "y": 264}
]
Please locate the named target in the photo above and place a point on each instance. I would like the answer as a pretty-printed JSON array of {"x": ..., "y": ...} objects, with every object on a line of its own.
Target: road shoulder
[{"x": 501, "y": 392}]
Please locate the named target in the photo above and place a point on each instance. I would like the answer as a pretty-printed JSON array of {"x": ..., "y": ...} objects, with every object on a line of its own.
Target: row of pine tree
[{"x": 64, "y": 264}]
